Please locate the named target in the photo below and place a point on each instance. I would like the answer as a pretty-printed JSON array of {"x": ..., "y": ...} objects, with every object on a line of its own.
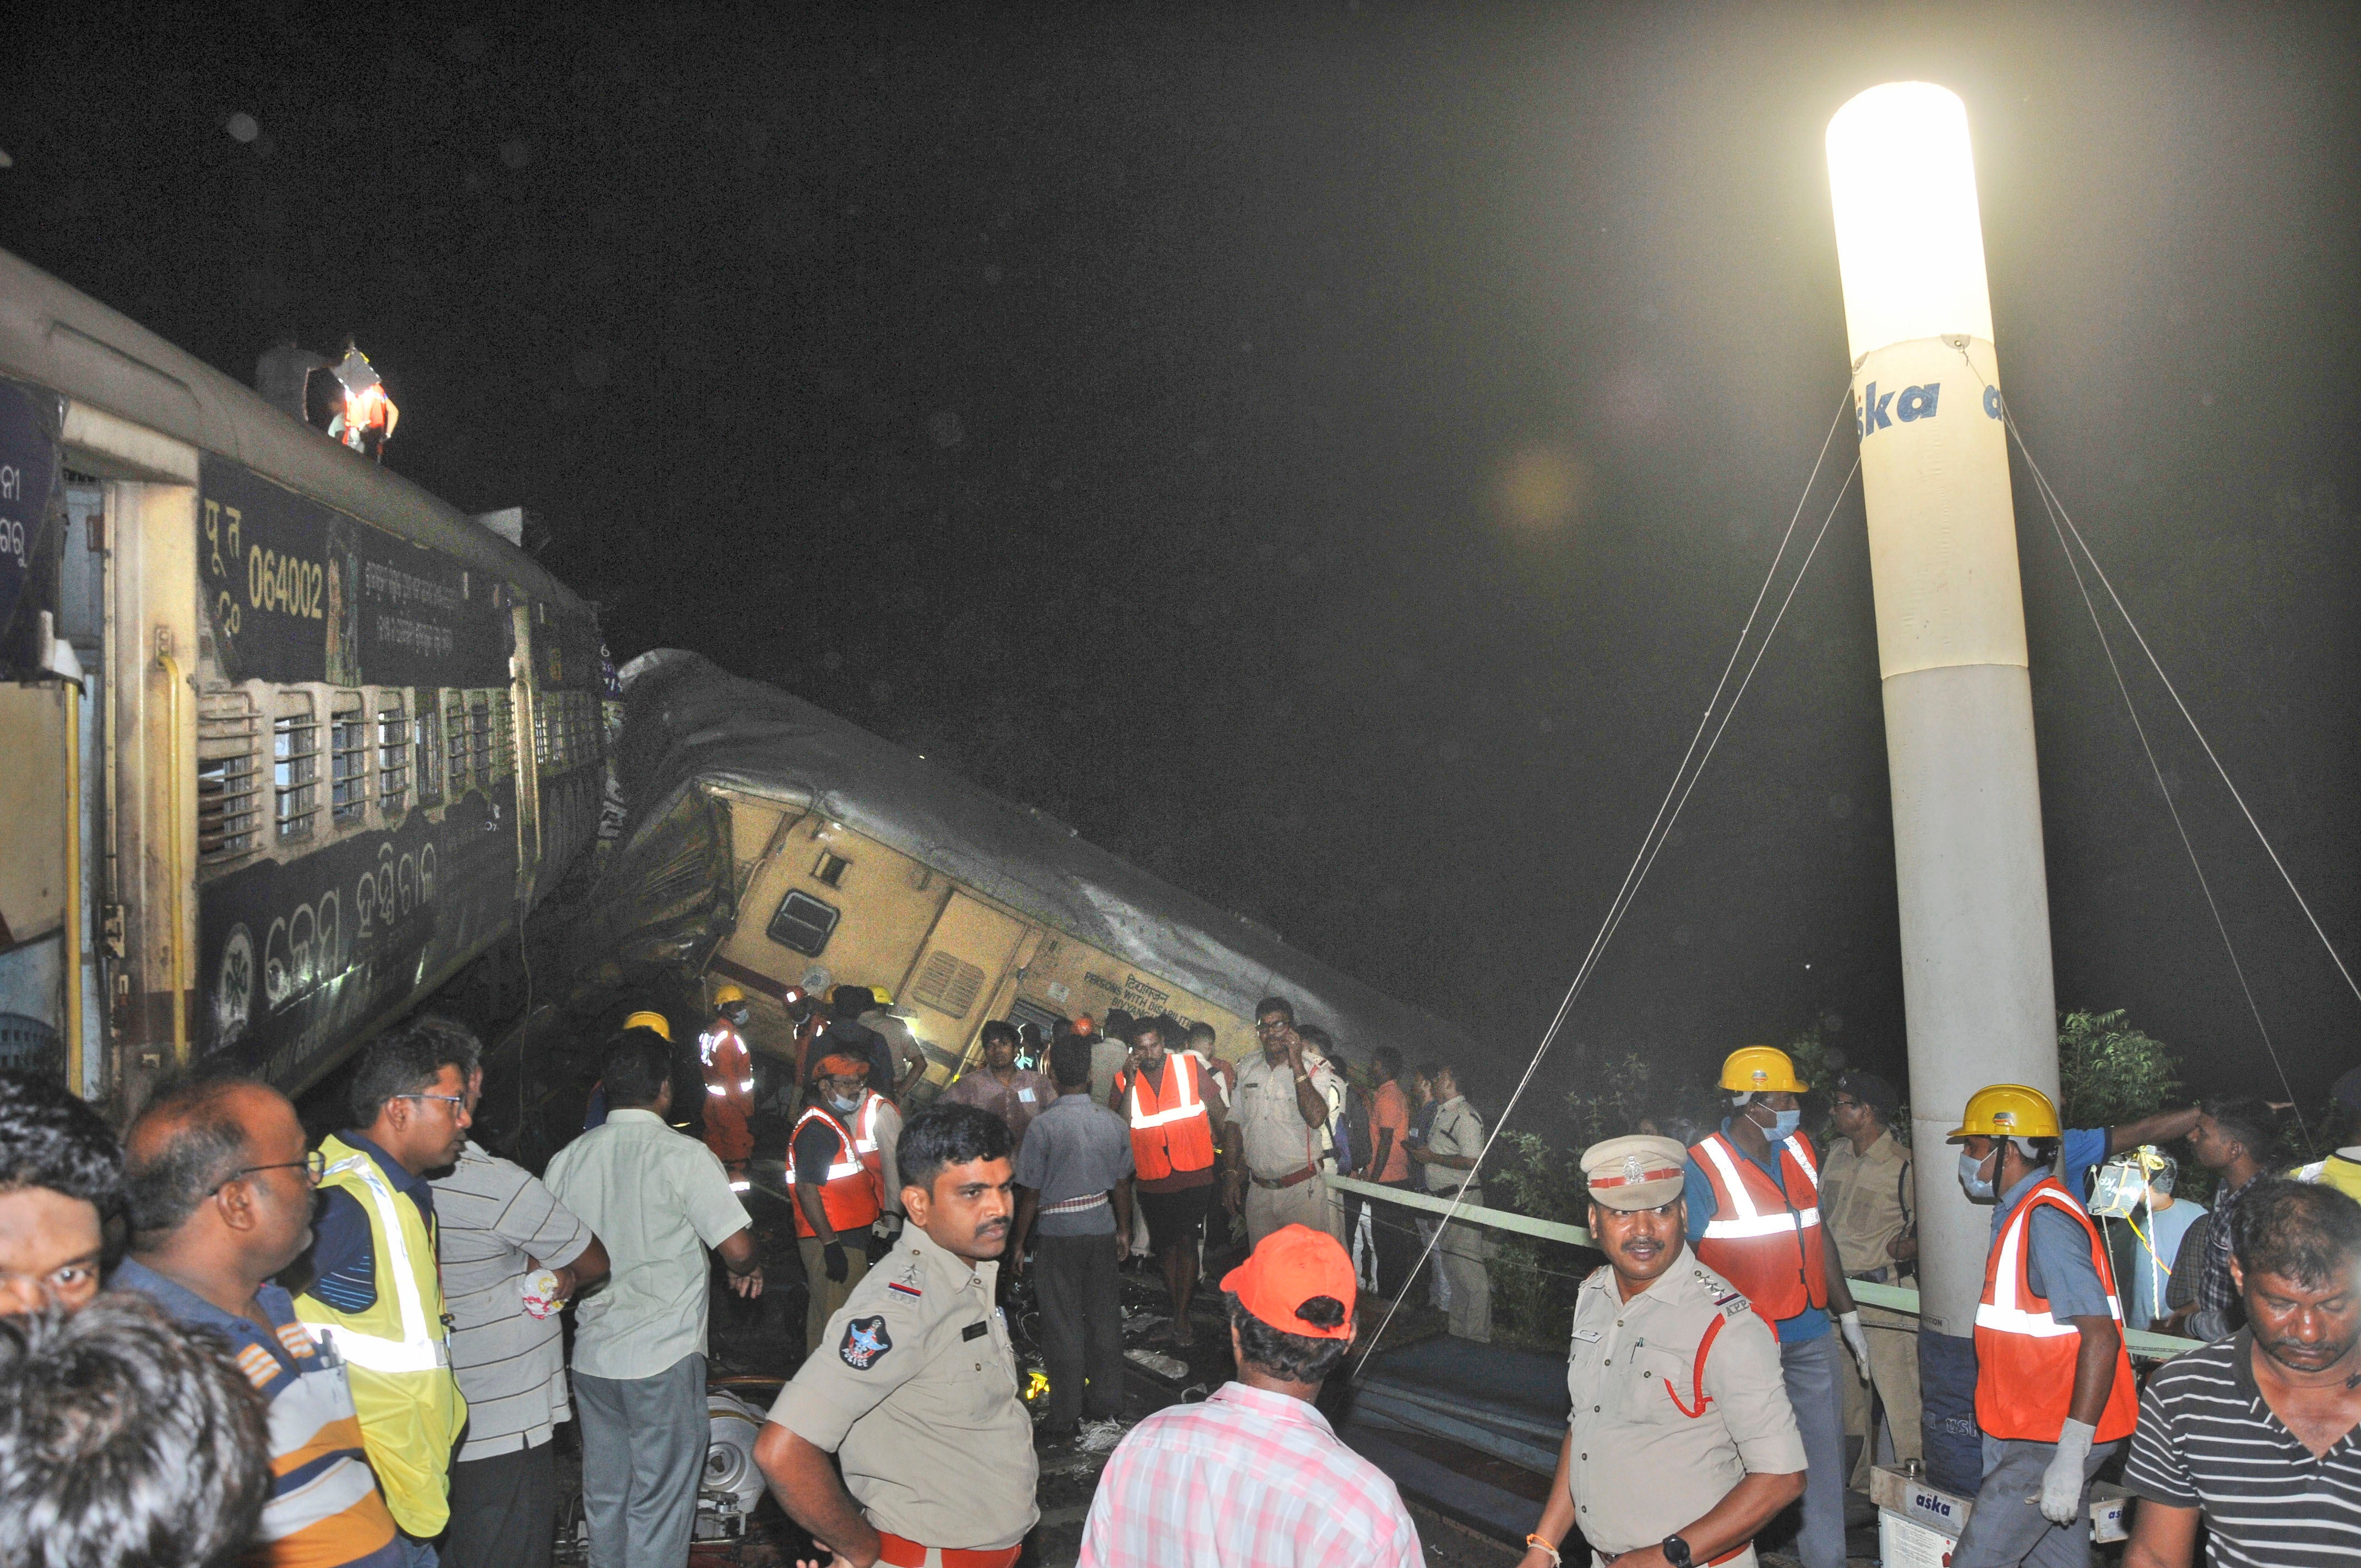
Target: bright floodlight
[{"x": 1909, "y": 241}]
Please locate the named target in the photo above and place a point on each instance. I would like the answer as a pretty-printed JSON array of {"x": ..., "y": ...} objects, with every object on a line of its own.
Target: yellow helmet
[
  {"x": 2007, "y": 1110},
  {"x": 1760, "y": 1070},
  {"x": 644, "y": 1019},
  {"x": 727, "y": 994},
  {"x": 884, "y": 997}
]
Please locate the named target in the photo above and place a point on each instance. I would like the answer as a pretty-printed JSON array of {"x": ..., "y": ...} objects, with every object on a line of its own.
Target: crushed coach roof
[{"x": 689, "y": 723}]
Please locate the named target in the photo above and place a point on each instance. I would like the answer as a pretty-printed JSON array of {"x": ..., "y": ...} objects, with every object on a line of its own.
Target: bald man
[{"x": 220, "y": 1189}]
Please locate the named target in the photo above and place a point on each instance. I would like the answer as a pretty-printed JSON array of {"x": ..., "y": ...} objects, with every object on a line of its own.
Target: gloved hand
[
  {"x": 839, "y": 1266},
  {"x": 2062, "y": 1484},
  {"x": 1856, "y": 1339}
]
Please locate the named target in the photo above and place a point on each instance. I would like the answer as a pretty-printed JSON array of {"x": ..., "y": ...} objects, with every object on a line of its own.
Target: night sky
[{"x": 1324, "y": 453}]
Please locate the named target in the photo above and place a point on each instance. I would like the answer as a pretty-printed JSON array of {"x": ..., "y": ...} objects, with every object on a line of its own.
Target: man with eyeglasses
[
  {"x": 376, "y": 1292},
  {"x": 60, "y": 1176},
  {"x": 220, "y": 1193}
]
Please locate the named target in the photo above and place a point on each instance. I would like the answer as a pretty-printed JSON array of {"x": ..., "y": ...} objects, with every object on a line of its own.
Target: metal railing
[{"x": 2144, "y": 1345}]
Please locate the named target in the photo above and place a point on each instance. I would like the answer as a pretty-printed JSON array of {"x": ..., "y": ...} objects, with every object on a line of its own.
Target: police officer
[
  {"x": 2054, "y": 1389},
  {"x": 1681, "y": 1444},
  {"x": 914, "y": 1388}
]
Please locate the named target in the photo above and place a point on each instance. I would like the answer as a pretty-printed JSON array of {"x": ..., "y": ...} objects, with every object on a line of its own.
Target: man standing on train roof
[
  {"x": 729, "y": 1084},
  {"x": 1753, "y": 1202},
  {"x": 915, "y": 1393},
  {"x": 835, "y": 1191},
  {"x": 1174, "y": 1107},
  {"x": 377, "y": 1285},
  {"x": 2054, "y": 1389},
  {"x": 1681, "y": 1444},
  {"x": 1279, "y": 1114}
]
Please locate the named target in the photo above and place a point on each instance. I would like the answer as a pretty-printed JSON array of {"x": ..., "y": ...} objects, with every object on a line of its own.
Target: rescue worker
[
  {"x": 2054, "y": 1389},
  {"x": 836, "y": 1195},
  {"x": 876, "y": 1129},
  {"x": 728, "y": 1085},
  {"x": 377, "y": 1288},
  {"x": 1172, "y": 1104},
  {"x": 917, "y": 1396},
  {"x": 1872, "y": 1195},
  {"x": 1681, "y": 1444},
  {"x": 364, "y": 417},
  {"x": 1754, "y": 1200}
]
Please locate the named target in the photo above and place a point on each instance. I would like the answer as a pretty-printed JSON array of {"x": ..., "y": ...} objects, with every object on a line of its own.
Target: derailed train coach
[
  {"x": 289, "y": 741},
  {"x": 771, "y": 845}
]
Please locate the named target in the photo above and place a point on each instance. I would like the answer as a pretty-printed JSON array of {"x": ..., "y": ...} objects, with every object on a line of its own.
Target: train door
[{"x": 961, "y": 967}]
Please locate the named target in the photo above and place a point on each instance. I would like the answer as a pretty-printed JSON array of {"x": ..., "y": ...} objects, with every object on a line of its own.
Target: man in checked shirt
[{"x": 1253, "y": 1478}]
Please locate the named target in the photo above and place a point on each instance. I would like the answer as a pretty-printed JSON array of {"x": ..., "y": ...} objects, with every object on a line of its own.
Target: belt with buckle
[
  {"x": 899, "y": 1553},
  {"x": 1306, "y": 1174}
]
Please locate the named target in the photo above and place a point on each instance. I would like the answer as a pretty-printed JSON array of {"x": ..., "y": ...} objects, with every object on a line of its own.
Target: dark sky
[{"x": 1324, "y": 453}]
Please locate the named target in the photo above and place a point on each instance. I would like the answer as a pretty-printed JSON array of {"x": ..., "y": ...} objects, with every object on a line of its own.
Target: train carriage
[{"x": 289, "y": 741}]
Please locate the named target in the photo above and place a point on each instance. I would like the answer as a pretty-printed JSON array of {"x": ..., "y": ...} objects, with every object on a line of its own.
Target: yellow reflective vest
[{"x": 397, "y": 1353}]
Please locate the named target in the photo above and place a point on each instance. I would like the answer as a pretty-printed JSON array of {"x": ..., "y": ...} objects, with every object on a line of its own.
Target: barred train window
[
  {"x": 455, "y": 741},
  {"x": 229, "y": 777},
  {"x": 430, "y": 745},
  {"x": 349, "y": 760},
  {"x": 392, "y": 755},
  {"x": 480, "y": 740},
  {"x": 295, "y": 767}
]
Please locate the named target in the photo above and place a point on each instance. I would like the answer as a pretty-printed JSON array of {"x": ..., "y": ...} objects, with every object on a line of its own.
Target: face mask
[
  {"x": 1972, "y": 1177},
  {"x": 1783, "y": 1125},
  {"x": 845, "y": 1107}
]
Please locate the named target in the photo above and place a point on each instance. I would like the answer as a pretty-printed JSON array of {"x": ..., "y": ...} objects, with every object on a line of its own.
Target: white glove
[
  {"x": 2062, "y": 1484},
  {"x": 1856, "y": 1339}
]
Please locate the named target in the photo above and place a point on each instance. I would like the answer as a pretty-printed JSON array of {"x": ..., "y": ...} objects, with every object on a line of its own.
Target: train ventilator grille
[
  {"x": 949, "y": 983},
  {"x": 229, "y": 777}
]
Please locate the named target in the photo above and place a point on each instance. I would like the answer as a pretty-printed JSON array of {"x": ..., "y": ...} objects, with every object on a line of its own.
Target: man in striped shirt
[
  {"x": 220, "y": 1191},
  {"x": 2256, "y": 1435}
]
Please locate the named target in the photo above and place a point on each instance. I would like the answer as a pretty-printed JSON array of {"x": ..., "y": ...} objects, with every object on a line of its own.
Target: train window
[
  {"x": 430, "y": 745},
  {"x": 480, "y": 740},
  {"x": 804, "y": 924},
  {"x": 295, "y": 767},
  {"x": 832, "y": 869},
  {"x": 349, "y": 760},
  {"x": 460, "y": 747},
  {"x": 542, "y": 746},
  {"x": 504, "y": 735},
  {"x": 393, "y": 754},
  {"x": 229, "y": 777}
]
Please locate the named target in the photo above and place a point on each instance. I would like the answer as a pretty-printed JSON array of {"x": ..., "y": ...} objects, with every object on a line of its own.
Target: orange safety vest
[
  {"x": 729, "y": 1092},
  {"x": 847, "y": 1192},
  {"x": 1174, "y": 1137},
  {"x": 1759, "y": 1239},
  {"x": 2025, "y": 1358}
]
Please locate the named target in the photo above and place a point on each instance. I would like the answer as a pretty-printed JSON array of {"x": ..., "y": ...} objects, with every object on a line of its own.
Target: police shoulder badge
[{"x": 865, "y": 1344}]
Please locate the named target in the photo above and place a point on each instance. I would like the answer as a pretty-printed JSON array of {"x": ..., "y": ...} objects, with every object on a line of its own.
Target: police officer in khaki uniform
[
  {"x": 1869, "y": 1200},
  {"x": 913, "y": 1386},
  {"x": 1681, "y": 1444}
]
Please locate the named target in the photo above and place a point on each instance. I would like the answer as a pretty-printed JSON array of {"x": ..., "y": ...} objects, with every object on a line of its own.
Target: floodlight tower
[{"x": 1977, "y": 988}]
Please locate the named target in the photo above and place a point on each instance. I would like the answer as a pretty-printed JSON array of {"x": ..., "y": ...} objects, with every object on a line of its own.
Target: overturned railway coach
[{"x": 289, "y": 742}]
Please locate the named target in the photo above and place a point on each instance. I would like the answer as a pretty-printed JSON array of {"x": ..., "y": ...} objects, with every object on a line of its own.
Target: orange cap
[
  {"x": 841, "y": 1066},
  {"x": 1082, "y": 1026},
  {"x": 1295, "y": 1264}
]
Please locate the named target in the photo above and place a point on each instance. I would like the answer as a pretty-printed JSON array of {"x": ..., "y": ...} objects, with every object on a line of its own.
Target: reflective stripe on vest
[
  {"x": 847, "y": 1192},
  {"x": 865, "y": 1132},
  {"x": 1760, "y": 1238},
  {"x": 418, "y": 1349},
  {"x": 1163, "y": 1135},
  {"x": 2025, "y": 1359},
  {"x": 708, "y": 1047}
]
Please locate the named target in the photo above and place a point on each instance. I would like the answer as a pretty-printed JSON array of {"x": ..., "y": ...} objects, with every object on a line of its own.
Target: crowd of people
[{"x": 220, "y": 1342}]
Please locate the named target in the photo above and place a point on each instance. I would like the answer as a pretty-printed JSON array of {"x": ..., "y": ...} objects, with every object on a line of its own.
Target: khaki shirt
[
  {"x": 1863, "y": 1201},
  {"x": 1641, "y": 1469},
  {"x": 914, "y": 1389},
  {"x": 1263, "y": 1108},
  {"x": 1456, "y": 1130}
]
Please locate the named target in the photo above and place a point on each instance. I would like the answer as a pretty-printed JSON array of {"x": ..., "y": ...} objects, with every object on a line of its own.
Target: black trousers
[
  {"x": 1395, "y": 1230},
  {"x": 1082, "y": 1327},
  {"x": 503, "y": 1510}
]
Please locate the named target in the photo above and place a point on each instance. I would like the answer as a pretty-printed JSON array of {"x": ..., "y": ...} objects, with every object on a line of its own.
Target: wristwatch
[{"x": 1676, "y": 1552}]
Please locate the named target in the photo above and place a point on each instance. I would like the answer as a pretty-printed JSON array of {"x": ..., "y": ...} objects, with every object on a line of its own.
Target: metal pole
[{"x": 1977, "y": 987}]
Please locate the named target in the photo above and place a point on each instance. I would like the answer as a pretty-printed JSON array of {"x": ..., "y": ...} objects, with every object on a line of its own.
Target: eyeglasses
[
  {"x": 315, "y": 1165},
  {"x": 456, "y": 1103},
  {"x": 1264, "y": 1025},
  {"x": 1844, "y": 1103}
]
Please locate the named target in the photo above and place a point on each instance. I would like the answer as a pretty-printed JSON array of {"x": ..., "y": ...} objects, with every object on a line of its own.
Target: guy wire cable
[
  {"x": 2055, "y": 506},
  {"x": 1650, "y": 845}
]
